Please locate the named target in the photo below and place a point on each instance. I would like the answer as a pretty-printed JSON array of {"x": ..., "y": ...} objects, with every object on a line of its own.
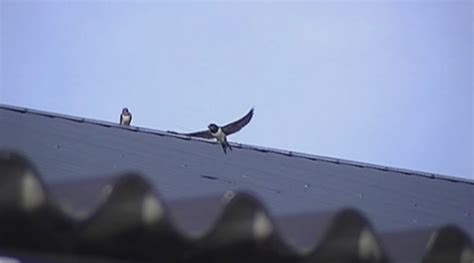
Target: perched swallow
[
  {"x": 221, "y": 133},
  {"x": 125, "y": 117}
]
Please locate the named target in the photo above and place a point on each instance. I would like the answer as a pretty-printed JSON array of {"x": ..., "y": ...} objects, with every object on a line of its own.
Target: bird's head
[
  {"x": 125, "y": 110},
  {"x": 213, "y": 127}
]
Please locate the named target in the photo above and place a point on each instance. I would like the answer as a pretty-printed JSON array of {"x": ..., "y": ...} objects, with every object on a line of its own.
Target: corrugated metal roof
[
  {"x": 123, "y": 217},
  {"x": 252, "y": 205}
]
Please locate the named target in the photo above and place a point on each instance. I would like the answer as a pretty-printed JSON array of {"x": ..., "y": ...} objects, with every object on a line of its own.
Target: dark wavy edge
[{"x": 96, "y": 235}]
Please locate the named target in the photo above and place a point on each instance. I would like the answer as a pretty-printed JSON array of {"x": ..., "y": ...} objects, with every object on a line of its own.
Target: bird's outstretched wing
[
  {"x": 239, "y": 124},
  {"x": 202, "y": 134}
]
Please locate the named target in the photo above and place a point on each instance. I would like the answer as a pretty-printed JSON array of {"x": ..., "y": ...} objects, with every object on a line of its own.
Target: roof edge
[{"x": 287, "y": 153}]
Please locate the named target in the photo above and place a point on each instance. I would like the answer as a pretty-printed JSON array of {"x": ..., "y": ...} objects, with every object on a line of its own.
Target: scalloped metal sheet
[{"x": 126, "y": 218}]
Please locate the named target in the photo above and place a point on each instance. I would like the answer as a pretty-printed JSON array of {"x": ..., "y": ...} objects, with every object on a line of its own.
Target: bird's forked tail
[{"x": 225, "y": 145}]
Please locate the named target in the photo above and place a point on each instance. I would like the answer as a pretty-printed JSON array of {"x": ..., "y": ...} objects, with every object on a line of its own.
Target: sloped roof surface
[{"x": 294, "y": 212}]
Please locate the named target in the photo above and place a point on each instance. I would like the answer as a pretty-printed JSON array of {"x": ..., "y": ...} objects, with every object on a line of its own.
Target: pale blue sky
[{"x": 385, "y": 82}]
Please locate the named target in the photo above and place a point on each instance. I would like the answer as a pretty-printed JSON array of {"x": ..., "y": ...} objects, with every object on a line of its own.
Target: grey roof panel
[
  {"x": 78, "y": 158},
  {"x": 66, "y": 149}
]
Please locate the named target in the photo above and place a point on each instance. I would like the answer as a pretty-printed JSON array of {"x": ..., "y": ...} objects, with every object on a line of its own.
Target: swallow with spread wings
[{"x": 220, "y": 133}]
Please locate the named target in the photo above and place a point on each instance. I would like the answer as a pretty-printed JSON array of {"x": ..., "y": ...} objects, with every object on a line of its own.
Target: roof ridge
[{"x": 287, "y": 153}]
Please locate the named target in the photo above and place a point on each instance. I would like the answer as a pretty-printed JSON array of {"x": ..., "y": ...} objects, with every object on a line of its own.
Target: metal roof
[{"x": 93, "y": 188}]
